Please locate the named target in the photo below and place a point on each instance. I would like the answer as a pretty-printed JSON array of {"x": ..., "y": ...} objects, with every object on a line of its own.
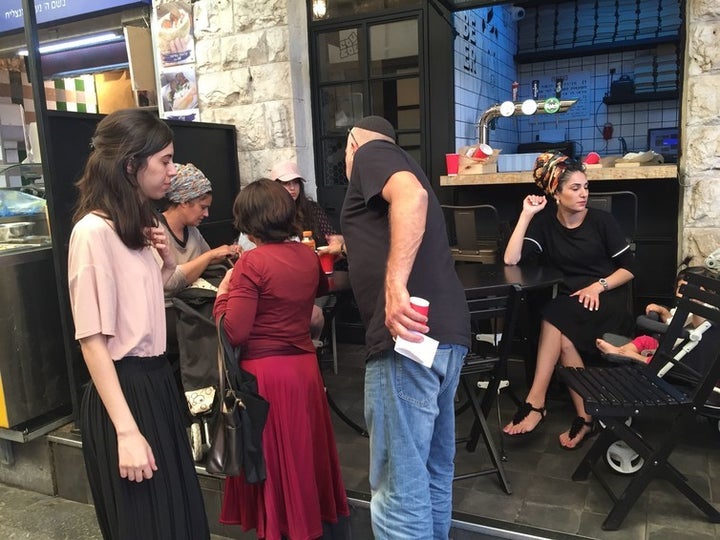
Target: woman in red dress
[{"x": 267, "y": 300}]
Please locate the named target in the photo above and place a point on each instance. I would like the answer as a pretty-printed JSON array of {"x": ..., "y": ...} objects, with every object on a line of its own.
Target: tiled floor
[{"x": 544, "y": 495}]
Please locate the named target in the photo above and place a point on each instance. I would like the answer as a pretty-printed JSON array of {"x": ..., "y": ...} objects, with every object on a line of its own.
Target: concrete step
[{"x": 71, "y": 482}]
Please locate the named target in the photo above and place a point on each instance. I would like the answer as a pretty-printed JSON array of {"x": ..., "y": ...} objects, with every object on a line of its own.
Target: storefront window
[
  {"x": 367, "y": 69},
  {"x": 341, "y": 107},
  {"x": 399, "y": 99},
  {"x": 339, "y": 55},
  {"x": 394, "y": 48}
]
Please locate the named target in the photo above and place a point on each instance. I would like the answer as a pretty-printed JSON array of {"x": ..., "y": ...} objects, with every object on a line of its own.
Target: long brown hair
[
  {"x": 305, "y": 215},
  {"x": 121, "y": 145}
]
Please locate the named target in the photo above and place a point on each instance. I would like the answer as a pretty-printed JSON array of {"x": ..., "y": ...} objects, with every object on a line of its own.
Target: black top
[
  {"x": 365, "y": 226},
  {"x": 585, "y": 254},
  {"x": 319, "y": 223}
]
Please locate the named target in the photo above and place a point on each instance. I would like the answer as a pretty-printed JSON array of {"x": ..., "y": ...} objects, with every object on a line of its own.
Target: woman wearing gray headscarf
[
  {"x": 588, "y": 246},
  {"x": 190, "y": 197}
]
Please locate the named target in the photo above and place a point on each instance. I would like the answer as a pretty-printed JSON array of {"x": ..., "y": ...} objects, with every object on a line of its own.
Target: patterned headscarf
[
  {"x": 190, "y": 183},
  {"x": 549, "y": 168}
]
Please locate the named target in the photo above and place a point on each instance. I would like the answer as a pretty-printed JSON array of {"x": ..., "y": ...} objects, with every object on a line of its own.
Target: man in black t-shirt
[{"x": 397, "y": 246}]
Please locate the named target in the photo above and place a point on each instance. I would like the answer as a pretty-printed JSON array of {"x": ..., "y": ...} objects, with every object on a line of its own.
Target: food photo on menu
[
  {"x": 175, "y": 33},
  {"x": 179, "y": 92}
]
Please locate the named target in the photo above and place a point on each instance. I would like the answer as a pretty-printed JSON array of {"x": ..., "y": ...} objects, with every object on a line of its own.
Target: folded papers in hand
[{"x": 422, "y": 352}]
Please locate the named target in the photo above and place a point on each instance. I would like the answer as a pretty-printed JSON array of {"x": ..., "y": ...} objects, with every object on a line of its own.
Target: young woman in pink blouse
[{"x": 135, "y": 446}]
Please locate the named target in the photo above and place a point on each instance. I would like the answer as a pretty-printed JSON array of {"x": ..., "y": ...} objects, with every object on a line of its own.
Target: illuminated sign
[{"x": 11, "y": 11}]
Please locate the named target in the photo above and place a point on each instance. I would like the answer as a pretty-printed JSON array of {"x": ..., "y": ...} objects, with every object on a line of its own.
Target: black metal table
[
  {"x": 478, "y": 278},
  {"x": 494, "y": 291}
]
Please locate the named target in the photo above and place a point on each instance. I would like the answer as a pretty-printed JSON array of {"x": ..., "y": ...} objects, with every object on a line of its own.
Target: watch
[{"x": 604, "y": 283}]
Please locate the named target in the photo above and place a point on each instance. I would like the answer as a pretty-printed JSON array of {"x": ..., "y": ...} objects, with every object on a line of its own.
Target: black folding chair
[
  {"x": 612, "y": 394},
  {"x": 475, "y": 232},
  {"x": 500, "y": 301}
]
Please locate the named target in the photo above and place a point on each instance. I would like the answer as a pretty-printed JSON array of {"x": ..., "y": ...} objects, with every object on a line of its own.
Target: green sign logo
[{"x": 552, "y": 105}]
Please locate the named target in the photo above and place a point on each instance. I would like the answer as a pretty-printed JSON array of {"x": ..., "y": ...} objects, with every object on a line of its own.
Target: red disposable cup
[
  {"x": 483, "y": 151},
  {"x": 327, "y": 260},
  {"x": 453, "y": 163},
  {"x": 420, "y": 305}
]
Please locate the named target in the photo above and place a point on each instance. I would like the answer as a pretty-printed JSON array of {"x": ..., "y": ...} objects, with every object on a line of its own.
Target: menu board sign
[
  {"x": 573, "y": 85},
  {"x": 11, "y": 11}
]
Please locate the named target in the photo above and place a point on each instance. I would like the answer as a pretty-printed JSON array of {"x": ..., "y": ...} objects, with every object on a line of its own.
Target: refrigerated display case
[{"x": 33, "y": 373}]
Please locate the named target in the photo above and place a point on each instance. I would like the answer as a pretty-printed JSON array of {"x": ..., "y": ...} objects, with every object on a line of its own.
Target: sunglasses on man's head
[{"x": 350, "y": 133}]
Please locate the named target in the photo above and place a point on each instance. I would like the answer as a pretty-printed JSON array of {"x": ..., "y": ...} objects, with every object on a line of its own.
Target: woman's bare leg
[
  {"x": 549, "y": 347},
  {"x": 569, "y": 357}
]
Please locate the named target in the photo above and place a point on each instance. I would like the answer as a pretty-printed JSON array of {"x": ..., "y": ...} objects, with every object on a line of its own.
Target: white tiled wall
[{"x": 484, "y": 72}]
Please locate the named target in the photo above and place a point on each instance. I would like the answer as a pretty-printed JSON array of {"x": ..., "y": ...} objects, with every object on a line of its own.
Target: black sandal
[
  {"x": 577, "y": 424},
  {"x": 522, "y": 412}
]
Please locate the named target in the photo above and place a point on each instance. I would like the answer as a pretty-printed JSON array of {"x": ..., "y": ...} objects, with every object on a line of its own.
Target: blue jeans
[{"x": 409, "y": 410}]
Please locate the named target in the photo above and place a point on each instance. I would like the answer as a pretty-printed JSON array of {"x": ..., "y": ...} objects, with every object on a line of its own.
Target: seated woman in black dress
[{"x": 594, "y": 256}]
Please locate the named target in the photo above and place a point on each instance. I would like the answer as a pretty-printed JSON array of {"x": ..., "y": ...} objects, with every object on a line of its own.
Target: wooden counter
[{"x": 643, "y": 172}]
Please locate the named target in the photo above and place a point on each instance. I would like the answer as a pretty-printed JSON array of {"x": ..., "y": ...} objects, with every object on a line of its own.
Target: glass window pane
[
  {"x": 340, "y": 107},
  {"x": 333, "y": 162},
  {"x": 339, "y": 55},
  {"x": 394, "y": 48},
  {"x": 408, "y": 140},
  {"x": 415, "y": 154},
  {"x": 398, "y": 101}
]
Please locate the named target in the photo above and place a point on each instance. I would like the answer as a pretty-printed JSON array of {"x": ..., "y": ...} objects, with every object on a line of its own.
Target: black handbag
[{"x": 237, "y": 446}]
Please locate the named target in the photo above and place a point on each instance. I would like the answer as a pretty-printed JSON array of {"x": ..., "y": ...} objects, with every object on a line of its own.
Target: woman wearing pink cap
[
  {"x": 310, "y": 214},
  {"x": 310, "y": 217}
]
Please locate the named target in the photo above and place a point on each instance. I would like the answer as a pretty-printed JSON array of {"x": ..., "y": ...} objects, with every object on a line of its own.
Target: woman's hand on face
[
  {"x": 135, "y": 457},
  {"x": 224, "y": 286},
  {"x": 589, "y": 297},
  {"x": 158, "y": 240},
  {"x": 532, "y": 204}
]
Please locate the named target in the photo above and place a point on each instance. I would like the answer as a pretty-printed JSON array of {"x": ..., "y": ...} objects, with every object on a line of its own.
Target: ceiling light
[{"x": 76, "y": 43}]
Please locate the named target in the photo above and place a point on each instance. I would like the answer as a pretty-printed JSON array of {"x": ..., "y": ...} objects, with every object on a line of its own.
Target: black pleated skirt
[{"x": 169, "y": 506}]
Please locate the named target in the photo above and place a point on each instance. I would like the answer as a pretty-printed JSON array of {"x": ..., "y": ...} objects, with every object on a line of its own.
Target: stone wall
[
  {"x": 700, "y": 133},
  {"x": 253, "y": 72}
]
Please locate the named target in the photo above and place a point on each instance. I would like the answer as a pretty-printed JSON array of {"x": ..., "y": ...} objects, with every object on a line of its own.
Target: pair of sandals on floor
[{"x": 580, "y": 429}]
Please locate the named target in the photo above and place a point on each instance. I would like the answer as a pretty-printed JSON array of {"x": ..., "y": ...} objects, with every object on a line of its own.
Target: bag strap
[
  {"x": 229, "y": 353},
  {"x": 225, "y": 368}
]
